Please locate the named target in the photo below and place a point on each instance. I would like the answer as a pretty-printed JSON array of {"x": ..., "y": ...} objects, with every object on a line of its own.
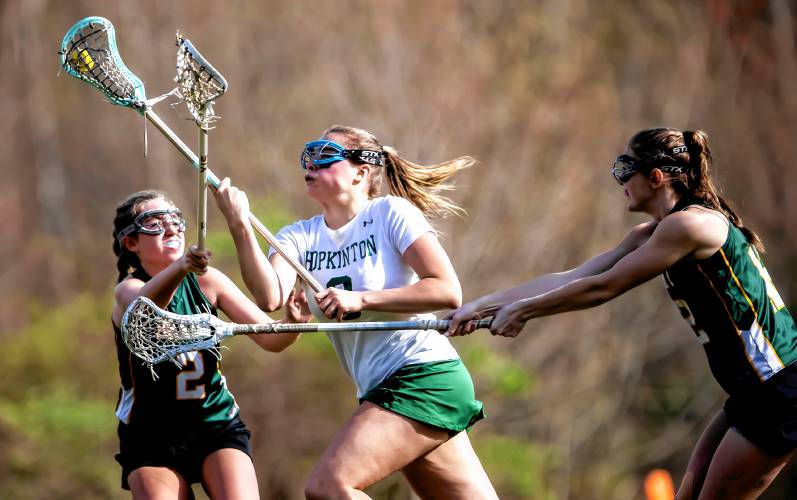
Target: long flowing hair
[
  {"x": 664, "y": 146},
  {"x": 420, "y": 184}
]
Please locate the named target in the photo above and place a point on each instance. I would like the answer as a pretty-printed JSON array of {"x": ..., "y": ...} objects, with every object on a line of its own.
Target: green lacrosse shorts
[{"x": 439, "y": 394}]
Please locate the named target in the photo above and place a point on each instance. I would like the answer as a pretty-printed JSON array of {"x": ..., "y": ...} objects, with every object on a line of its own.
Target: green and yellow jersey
[
  {"x": 179, "y": 400},
  {"x": 737, "y": 314}
]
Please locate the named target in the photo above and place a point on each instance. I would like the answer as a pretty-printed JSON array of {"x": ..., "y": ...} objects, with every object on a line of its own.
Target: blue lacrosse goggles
[
  {"x": 154, "y": 222},
  {"x": 322, "y": 154}
]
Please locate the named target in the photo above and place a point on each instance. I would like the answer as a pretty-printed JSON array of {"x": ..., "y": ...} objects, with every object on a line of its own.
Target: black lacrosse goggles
[
  {"x": 154, "y": 222},
  {"x": 322, "y": 154},
  {"x": 625, "y": 167}
]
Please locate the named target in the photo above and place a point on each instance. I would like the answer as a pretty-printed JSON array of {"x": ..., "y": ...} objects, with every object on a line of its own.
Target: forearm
[
  {"x": 277, "y": 342},
  {"x": 258, "y": 274},
  {"x": 578, "y": 294},
  {"x": 537, "y": 286},
  {"x": 160, "y": 289},
  {"x": 237, "y": 306},
  {"x": 245, "y": 312},
  {"x": 428, "y": 294},
  {"x": 550, "y": 282}
]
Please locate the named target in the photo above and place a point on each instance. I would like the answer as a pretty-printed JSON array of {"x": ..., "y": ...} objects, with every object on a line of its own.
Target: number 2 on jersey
[{"x": 194, "y": 368}]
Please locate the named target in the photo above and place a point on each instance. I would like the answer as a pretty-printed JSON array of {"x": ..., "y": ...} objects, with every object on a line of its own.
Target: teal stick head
[{"x": 89, "y": 53}]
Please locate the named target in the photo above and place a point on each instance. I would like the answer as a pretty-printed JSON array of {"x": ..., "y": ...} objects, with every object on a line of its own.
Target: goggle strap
[
  {"x": 370, "y": 156},
  {"x": 313, "y": 149},
  {"x": 628, "y": 163}
]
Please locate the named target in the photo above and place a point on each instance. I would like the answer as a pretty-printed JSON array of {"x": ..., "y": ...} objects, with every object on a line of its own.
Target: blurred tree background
[{"x": 545, "y": 95}]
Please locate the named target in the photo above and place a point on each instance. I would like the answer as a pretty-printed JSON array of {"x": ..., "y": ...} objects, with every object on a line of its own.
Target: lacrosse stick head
[
  {"x": 89, "y": 53},
  {"x": 155, "y": 335},
  {"x": 198, "y": 82}
]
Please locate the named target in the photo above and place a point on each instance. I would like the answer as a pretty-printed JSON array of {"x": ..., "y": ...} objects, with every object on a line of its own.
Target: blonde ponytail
[{"x": 420, "y": 184}]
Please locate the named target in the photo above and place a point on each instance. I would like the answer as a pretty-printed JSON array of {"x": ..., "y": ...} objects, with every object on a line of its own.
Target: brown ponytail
[
  {"x": 420, "y": 184},
  {"x": 660, "y": 146},
  {"x": 125, "y": 213}
]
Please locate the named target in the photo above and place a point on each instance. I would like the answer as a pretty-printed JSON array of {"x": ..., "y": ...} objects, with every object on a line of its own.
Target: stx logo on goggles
[{"x": 323, "y": 154}]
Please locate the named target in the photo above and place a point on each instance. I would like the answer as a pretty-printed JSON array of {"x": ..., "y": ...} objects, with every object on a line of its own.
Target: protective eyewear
[
  {"x": 322, "y": 154},
  {"x": 154, "y": 222},
  {"x": 625, "y": 167}
]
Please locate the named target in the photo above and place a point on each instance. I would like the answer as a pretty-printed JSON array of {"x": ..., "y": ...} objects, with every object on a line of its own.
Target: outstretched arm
[
  {"x": 487, "y": 305},
  {"x": 676, "y": 237}
]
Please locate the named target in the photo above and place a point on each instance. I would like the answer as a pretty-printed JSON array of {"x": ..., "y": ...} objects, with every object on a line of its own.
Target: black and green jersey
[
  {"x": 179, "y": 400},
  {"x": 732, "y": 305}
]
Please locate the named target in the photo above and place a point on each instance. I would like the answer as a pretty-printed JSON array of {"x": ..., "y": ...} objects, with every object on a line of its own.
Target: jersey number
[
  {"x": 772, "y": 292},
  {"x": 193, "y": 369},
  {"x": 343, "y": 282},
  {"x": 702, "y": 336}
]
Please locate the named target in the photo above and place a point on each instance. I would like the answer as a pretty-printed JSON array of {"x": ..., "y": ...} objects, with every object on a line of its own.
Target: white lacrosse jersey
[{"x": 366, "y": 254}]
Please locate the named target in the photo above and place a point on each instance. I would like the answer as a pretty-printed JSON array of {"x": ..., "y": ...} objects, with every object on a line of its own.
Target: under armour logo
[{"x": 366, "y": 222}]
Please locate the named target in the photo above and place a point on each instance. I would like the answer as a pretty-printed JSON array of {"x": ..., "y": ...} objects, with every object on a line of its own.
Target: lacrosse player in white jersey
[{"x": 380, "y": 261}]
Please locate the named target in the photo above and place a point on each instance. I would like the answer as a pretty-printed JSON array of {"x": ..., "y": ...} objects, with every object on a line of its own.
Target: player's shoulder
[
  {"x": 389, "y": 204},
  {"x": 693, "y": 217},
  {"x": 699, "y": 224},
  {"x": 303, "y": 226},
  {"x": 124, "y": 292},
  {"x": 395, "y": 201},
  {"x": 126, "y": 286}
]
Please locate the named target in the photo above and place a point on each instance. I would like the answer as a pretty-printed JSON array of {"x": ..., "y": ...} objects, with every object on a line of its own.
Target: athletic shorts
[
  {"x": 185, "y": 454},
  {"x": 439, "y": 394},
  {"x": 767, "y": 416}
]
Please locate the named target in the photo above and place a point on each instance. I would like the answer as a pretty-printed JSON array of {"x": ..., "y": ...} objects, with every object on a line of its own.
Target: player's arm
[
  {"x": 270, "y": 282},
  {"x": 675, "y": 238},
  {"x": 240, "y": 309},
  {"x": 437, "y": 287},
  {"x": 161, "y": 287},
  {"x": 487, "y": 305}
]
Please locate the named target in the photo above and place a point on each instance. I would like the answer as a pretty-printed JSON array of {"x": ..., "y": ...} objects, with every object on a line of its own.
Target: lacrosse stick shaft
[
  {"x": 202, "y": 202},
  {"x": 156, "y": 335},
  {"x": 214, "y": 182},
  {"x": 439, "y": 325}
]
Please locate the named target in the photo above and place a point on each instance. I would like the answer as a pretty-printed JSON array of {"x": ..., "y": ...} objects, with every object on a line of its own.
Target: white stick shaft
[
  {"x": 202, "y": 192},
  {"x": 214, "y": 182},
  {"x": 371, "y": 326}
]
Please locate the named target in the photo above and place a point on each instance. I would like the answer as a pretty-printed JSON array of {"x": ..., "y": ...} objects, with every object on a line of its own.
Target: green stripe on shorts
[{"x": 439, "y": 394}]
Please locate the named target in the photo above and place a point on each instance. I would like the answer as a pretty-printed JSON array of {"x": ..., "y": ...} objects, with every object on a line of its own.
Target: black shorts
[
  {"x": 184, "y": 454},
  {"x": 767, "y": 416}
]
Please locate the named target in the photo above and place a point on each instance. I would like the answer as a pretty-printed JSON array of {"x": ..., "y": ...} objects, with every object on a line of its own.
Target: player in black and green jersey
[
  {"x": 183, "y": 426},
  {"x": 713, "y": 272}
]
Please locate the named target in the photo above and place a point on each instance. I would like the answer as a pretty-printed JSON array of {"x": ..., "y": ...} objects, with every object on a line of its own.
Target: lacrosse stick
[
  {"x": 199, "y": 84},
  {"x": 89, "y": 53},
  {"x": 155, "y": 335}
]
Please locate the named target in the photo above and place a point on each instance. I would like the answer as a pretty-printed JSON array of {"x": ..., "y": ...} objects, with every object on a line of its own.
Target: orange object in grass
[{"x": 658, "y": 485}]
